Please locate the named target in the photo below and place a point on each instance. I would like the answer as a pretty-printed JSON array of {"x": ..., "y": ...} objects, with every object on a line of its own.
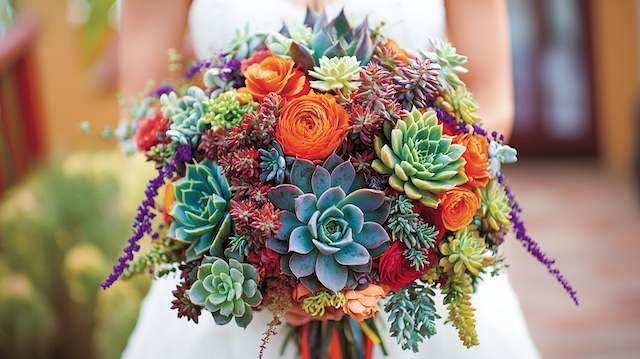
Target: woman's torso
[{"x": 212, "y": 23}]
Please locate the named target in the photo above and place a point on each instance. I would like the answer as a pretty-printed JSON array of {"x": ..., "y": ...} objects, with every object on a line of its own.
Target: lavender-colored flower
[{"x": 144, "y": 216}]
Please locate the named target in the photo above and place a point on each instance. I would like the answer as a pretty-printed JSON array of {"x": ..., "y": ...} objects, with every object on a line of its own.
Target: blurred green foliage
[{"x": 60, "y": 232}]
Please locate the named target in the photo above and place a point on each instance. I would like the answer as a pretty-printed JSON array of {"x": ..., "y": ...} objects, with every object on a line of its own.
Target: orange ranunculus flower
[
  {"x": 169, "y": 198},
  {"x": 477, "y": 157},
  {"x": 400, "y": 52},
  {"x": 312, "y": 126},
  {"x": 275, "y": 74},
  {"x": 363, "y": 304},
  {"x": 458, "y": 208}
]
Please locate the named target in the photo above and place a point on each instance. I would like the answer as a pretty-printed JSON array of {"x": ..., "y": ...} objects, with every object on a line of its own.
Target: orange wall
[{"x": 67, "y": 98}]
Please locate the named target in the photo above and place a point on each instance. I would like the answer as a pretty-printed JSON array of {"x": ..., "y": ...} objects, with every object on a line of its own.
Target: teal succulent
[
  {"x": 331, "y": 226},
  {"x": 185, "y": 114},
  {"x": 227, "y": 290},
  {"x": 274, "y": 164},
  {"x": 244, "y": 43},
  {"x": 336, "y": 74},
  {"x": 201, "y": 211},
  {"x": 419, "y": 158},
  {"x": 328, "y": 39}
]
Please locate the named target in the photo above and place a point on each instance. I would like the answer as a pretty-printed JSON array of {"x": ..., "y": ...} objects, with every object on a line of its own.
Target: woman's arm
[
  {"x": 148, "y": 29},
  {"x": 480, "y": 30}
]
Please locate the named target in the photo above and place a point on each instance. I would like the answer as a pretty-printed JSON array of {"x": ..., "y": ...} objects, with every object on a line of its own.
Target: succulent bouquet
[{"x": 324, "y": 173}]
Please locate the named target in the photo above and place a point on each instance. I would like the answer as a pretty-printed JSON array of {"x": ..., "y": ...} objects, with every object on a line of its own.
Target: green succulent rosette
[
  {"x": 331, "y": 226},
  {"x": 494, "y": 207},
  {"x": 227, "y": 290},
  {"x": 419, "y": 157},
  {"x": 201, "y": 210}
]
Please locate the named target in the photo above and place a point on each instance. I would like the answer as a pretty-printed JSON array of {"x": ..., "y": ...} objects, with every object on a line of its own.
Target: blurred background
[{"x": 64, "y": 212}]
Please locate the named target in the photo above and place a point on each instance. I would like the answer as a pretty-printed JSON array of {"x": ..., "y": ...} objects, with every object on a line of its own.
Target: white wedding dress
[{"x": 159, "y": 334}]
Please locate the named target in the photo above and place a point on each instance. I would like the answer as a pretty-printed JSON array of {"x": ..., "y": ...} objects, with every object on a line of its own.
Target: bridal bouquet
[{"x": 324, "y": 174}]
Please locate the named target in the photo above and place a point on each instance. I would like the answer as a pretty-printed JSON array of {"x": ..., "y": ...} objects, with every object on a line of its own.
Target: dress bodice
[{"x": 409, "y": 22}]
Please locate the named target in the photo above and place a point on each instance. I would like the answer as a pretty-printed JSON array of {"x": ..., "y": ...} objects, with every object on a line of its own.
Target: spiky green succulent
[
  {"x": 244, "y": 43},
  {"x": 419, "y": 158},
  {"x": 227, "y": 290},
  {"x": 494, "y": 207},
  {"x": 336, "y": 74},
  {"x": 328, "y": 39},
  {"x": 465, "y": 252},
  {"x": 274, "y": 164},
  {"x": 185, "y": 115},
  {"x": 201, "y": 211},
  {"x": 227, "y": 110},
  {"x": 449, "y": 61},
  {"x": 331, "y": 227},
  {"x": 460, "y": 103}
]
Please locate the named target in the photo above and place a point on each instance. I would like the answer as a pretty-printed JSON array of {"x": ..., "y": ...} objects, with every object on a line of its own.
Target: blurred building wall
[
  {"x": 615, "y": 41},
  {"x": 67, "y": 94}
]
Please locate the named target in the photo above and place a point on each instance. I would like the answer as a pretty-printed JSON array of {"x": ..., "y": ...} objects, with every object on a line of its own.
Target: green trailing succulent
[
  {"x": 201, "y": 211},
  {"x": 460, "y": 103},
  {"x": 274, "y": 164},
  {"x": 227, "y": 289},
  {"x": 338, "y": 74},
  {"x": 449, "y": 61},
  {"x": 331, "y": 227},
  {"x": 412, "y": 315},
  {"x": 494, "y": 207},
  {"x": 185, "y": 114},
  {"x": 328, "y": 39},
  {"x": 227, "y": 110},
  {"x": 419, "y": 158},
  {"x": 461, "y": 313}
]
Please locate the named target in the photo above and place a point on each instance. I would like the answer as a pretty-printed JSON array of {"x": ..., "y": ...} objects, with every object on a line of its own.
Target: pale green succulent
[
  {"x": 227, "y": 290},
  {"x": 279, "y": 44},
  {"x": 419, "y": 158},
  {"x": 460, "y": 103},
  {"x": 449, "y": 61},
  {"x": 244, "y": 43},
  {"x": 337, "y": 74},
  {"x": 301, "y": 34},
  {"x": 494, "y": 207},
  {"x": 498, "y": 154},
  {"x": 464, "y": 252},
  {"x": 227, "y": 110}
]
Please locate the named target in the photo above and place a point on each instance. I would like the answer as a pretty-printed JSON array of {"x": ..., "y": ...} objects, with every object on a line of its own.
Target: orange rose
[
  {"x": 477, "y": 156},
  {"x": 363, "y": 304},
  {"x": 458, "y": 207},
  {"x": 275, "y": 74},
  {"x": 169, "y": 198},
  {"x": 312, "y": 126}
]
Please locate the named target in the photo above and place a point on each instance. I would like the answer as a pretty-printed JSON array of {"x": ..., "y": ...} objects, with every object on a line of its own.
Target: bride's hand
[{"x": 297, "y": 316}]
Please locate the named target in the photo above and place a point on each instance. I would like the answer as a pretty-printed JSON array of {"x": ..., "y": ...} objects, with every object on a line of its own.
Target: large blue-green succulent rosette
[
  {"x": 331, "y": 226},
  {"x": 201, "y": 211}
]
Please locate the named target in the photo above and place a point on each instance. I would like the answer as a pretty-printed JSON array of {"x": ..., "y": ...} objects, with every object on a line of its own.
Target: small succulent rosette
[{"x": 328, "y": 176}]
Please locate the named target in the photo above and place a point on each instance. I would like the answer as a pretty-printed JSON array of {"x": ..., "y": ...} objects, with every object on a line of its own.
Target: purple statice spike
[
  {"x": 533, "y": 247},
  {"x": 518, "y": 225},
  {"x": 196, "y": 67},
  {"x": 142, "y": 224},
  {"x": 161, "y": 90}
]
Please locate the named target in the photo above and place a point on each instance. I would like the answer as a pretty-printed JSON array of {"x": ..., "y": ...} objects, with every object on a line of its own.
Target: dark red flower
[
  {"x": 151, "y": 131},
  {"x": 266, "y": 261},
  {"x": 396, "y": 271},
  {"x": 432, "y": 217}
]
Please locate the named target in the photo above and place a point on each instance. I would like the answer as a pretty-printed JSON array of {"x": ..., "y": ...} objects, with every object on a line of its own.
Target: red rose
[
  {"x": 150, "y": 131},
  {"x": 395, "y": 270},
  {"x": 432, "y": 217}
]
